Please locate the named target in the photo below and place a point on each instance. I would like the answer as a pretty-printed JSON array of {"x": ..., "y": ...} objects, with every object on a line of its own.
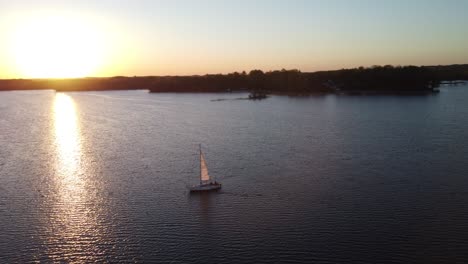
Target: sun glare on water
[{"x": 56, "y": 46}]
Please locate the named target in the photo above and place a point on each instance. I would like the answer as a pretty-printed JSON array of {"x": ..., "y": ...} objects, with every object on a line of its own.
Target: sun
[{"x": 56, "y": 46}]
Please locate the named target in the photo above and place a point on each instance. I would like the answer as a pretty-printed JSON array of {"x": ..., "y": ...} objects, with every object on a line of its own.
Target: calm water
[{"x": 102, "y": 176}]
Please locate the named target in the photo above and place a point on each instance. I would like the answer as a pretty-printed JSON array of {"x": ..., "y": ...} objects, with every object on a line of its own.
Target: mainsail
[{"x": 204, "y": 176}]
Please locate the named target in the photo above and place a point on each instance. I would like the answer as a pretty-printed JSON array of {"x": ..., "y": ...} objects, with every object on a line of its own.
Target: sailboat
[{"x": 206, "y": 183}]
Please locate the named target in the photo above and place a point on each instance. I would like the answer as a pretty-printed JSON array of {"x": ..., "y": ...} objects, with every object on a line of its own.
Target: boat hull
[{"x": 205, "y": 188}]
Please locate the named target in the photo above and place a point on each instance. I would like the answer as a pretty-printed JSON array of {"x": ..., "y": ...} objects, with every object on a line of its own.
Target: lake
[{"x": 102, "y": 177}]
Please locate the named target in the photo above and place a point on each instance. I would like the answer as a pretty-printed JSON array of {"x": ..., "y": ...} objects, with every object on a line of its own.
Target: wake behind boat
[{"x": 206, "y": 183}]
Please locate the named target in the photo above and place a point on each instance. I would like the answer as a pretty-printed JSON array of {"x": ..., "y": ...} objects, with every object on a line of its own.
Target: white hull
[{"x": 205, "y": 187}]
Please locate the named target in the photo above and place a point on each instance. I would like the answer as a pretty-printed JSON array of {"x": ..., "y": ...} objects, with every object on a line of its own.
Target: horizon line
[{"x": 194, "y": 75}]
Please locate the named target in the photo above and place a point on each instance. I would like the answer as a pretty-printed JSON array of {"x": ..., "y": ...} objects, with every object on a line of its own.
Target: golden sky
[{"x": 109, "y": 38}]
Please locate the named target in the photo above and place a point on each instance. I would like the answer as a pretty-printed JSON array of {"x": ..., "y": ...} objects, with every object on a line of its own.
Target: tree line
[{"x": 371, "y": 79}]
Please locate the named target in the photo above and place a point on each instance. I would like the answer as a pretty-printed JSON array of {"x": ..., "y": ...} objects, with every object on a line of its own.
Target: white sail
[
  {"x": 206, "y": 183},
  {"x": 204, "y": 176}
]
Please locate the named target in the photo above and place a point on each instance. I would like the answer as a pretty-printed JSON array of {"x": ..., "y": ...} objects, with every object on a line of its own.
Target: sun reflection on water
[
  {"x": 67, "y": 137},
  {"x": 73, "y": 226}
]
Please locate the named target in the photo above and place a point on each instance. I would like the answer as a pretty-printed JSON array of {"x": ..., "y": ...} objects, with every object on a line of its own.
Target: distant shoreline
[{"x": 358, "y": 81}]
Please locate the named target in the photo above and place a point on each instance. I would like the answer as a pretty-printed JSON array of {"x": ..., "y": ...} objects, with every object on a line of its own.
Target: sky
[{"x": 109, "y": 38}]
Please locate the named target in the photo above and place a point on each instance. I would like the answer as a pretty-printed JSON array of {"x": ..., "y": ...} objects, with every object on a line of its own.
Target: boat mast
[{"x": 199, "y": 145}]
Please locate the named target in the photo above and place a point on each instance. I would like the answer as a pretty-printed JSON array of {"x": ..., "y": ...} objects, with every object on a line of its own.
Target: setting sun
[{"x": 56, "y": 46}]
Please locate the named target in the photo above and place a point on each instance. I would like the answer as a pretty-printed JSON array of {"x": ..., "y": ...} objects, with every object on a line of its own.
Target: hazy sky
[{"x": 196, "y": 37}]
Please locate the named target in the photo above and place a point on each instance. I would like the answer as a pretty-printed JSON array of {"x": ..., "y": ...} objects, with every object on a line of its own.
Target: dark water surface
[{"x": 102, "y": 176}]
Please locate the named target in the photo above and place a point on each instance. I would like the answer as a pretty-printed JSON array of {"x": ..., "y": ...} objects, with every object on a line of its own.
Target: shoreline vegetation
[{"x": 373, "y": 80}]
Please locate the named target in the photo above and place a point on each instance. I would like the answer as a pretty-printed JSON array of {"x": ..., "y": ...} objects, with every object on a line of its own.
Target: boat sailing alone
[{"x": 206, "y": 183}]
